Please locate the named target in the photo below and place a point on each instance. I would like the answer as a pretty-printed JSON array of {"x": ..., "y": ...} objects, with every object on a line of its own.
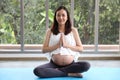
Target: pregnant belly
[{"x": 62, "y": 60}]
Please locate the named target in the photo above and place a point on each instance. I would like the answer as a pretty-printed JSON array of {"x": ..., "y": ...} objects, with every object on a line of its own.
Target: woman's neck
[{"x": 62, "y": 29}]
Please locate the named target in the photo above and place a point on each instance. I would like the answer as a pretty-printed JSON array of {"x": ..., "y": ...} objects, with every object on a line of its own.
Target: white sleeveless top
[{"x": 54, "y": 39}]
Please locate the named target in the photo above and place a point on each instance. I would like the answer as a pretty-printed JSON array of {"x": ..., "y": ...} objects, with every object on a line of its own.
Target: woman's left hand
[{"x": 64, "y": 43}]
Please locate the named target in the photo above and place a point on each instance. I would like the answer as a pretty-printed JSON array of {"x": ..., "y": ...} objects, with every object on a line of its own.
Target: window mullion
[
  {"x": 72, "y": 12},
  {"x": 96, "y": 24},
  {"x": 22, "y": 25},
  {"x": 47, "y": 9}
]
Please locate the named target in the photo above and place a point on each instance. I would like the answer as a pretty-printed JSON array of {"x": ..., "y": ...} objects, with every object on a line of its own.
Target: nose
[{"x": 61, "y": 17}]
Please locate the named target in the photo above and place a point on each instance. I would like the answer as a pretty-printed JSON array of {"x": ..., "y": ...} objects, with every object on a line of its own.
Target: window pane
[
  {"x": 84, "y": 20},
  {"x": 109, "y": 24},
  {"x": 34, "y": 21},
  {"x": 9, "y": 24}
]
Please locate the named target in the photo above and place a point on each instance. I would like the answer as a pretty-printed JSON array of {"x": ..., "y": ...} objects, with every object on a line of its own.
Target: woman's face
[{"x": 61, "y": 17}]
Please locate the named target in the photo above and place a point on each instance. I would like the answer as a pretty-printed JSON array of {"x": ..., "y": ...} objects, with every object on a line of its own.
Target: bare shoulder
[
  {"x": 47, "y": 37},
  {"x": 48, "y": 32},
  {"x": 74, "y": 30}
]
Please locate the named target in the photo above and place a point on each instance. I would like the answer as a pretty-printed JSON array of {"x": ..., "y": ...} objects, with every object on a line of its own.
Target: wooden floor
[{"x": 94, "y": 63}]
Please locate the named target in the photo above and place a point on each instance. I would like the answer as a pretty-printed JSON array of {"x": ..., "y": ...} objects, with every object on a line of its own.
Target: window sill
[{"x": 31, "y": 56}]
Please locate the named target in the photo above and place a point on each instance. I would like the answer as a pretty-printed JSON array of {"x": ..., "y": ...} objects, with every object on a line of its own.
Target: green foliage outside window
[{"x": 35, "y": 23}]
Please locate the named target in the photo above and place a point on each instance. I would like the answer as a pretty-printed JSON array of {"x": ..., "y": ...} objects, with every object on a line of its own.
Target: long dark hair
[{"x": 68, "y": 25}]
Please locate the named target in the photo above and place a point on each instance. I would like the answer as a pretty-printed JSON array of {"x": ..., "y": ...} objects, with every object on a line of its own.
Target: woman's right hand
[
  {"x": 60, "y": 43},
  {"x": 61, "y": 40}
]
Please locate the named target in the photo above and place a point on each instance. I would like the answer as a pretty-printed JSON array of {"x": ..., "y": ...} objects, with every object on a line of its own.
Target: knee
[
  {"x": 86, "y": 66},
  {"x": 38, "y": 72}
]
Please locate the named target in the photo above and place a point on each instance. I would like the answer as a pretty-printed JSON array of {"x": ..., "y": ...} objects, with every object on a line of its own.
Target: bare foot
[{"x": 75, "y": 75}]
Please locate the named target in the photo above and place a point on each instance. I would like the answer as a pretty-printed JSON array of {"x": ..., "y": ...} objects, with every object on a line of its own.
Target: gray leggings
[{"x": 52, "y": 70}]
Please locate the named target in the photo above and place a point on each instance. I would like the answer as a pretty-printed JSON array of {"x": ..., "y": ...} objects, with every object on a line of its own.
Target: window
[
  {"x": 9, "y": 25},
  {"x": 109, "y": 25},
  {"x": 23, "y": 23}
]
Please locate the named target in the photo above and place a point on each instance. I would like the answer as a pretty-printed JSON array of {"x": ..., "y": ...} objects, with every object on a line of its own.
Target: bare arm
[
  {"x": 79, "y": 46},
  {"x": 46, "y": 47}
]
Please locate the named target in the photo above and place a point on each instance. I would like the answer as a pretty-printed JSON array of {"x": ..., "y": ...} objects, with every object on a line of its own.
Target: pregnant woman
[{"x": 63, "y": 44}]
